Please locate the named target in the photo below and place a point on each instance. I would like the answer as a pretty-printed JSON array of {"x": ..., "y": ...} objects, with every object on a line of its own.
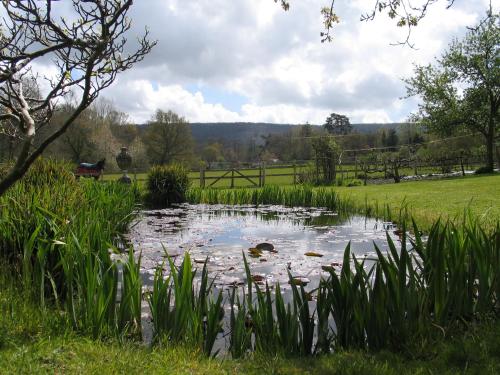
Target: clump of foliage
[
  {"x": 56, "y": 234},
  {"x": 49, "y": 172},
  {"x": 482, "y": 170},
  {"x": 327, "y": 155},
  {"x": 167, "y": 184}
]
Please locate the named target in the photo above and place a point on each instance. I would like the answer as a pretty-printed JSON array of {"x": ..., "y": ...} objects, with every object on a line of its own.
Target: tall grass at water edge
[
  {"x": 298, "y": 196},
  {"x": 57, "y": 233},
  {"x": 393, "y": 301},
  {"x": 292, "y": 196}
]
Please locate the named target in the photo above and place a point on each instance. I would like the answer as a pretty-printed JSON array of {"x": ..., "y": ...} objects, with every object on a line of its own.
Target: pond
[
  {"x": 222, "y": 233},
  {"x": 303, "y": 241}
]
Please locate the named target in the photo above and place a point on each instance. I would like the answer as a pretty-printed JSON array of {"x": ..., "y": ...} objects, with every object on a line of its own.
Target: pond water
[{"x": 222, "y": 233}]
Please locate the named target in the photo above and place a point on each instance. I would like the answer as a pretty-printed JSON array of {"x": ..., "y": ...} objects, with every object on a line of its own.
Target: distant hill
[{"x": 234, "y": 131}]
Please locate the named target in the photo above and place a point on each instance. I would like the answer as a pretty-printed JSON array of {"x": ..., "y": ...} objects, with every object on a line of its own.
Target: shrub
[
  {"x": 483, "y": 170},
  {"x": 353, "y": 182},
  {"x": 49, "y": 172},
  {"x": 167, "y": 184}
]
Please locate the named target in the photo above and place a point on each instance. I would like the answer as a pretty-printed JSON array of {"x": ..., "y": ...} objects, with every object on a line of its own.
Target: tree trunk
[
  {"x": 397, "y": 179},
  {"x": 490, "y": 144}
]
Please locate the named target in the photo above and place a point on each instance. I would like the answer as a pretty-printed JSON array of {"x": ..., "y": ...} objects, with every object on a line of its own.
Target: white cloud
[
  {"x": 147, "y": 99},
  {"x": 275, "y": 59}
]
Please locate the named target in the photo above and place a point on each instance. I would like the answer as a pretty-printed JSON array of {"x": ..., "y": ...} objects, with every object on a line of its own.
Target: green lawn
[
  {"x": 429, "y": 200},
  {"x": 272, "y": 175},
  {"x": 211, "y": 176}
]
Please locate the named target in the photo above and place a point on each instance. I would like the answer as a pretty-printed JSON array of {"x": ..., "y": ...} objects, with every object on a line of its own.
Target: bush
[
  {"x": 49, "y": 172},
  {"x": 361, "y": 176},
  {"x": 483, "y": 170},
  {"x": 166, "y": 184},
  {"x": 354, "y": 182}
]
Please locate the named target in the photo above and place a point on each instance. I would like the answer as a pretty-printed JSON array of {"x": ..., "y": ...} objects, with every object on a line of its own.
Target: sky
[{"x": 250, "y": 61}]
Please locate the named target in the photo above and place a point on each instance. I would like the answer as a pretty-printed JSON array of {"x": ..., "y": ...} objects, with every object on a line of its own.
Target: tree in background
[
  {"x": 212, "y": 153},
  {"x": 390, "y": 139},
  {"x": 97, "y": 133},
  {"x": 304, "y": 147},
  {"x": 338, "y": 124},
  {"x": 87, "y": 48},
  {"x": 168, "y": 139},
  {"x": 326, "y": 155},
  {"x": 461, "y": 92},
  {"x": 77, "y": 143}
]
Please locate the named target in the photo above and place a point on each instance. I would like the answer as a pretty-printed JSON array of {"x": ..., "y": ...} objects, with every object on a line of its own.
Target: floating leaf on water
[
  {"x": 255, "y": 252},
  {"x": 199, "y": 260},
  {"x": 300, "y": 281},
  {"x": 263, "y": 259},
  {"x": 313, "y": 254},
  {"x": 258, "y": 278},
  {"x": 265, "y": 246}
]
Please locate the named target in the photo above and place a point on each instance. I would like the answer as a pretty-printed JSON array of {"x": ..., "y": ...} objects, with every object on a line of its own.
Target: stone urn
[{"x": 124, "y": 161}]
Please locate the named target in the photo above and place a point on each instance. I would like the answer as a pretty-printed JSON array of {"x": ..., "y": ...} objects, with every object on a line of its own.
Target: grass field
[
  {"x": 429, "y": 200},
  {"x": 273, "y": 176}
]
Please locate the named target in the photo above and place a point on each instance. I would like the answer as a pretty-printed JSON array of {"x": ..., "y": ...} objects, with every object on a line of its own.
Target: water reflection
[{"x": 222, "y": 233}]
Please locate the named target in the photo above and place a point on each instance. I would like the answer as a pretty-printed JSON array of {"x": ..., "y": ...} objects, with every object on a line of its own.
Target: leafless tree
[{"x": 86, "y": 48}]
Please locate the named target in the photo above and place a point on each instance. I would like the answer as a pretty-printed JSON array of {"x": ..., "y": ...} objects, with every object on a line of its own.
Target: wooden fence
[{"x": 287, "y": 174}]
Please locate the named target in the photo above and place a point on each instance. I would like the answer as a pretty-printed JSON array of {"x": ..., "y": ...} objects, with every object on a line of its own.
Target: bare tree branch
[{"x": 87, "y": 48}]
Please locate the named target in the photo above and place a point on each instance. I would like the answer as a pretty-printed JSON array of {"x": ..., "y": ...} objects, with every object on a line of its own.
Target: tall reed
[
  {"x": 302, "y": 195},
  {"x": 184, "y": 311},
  {"x": 58, "y": 232}
]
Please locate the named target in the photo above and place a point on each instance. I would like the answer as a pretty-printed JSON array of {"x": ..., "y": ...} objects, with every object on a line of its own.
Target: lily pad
[
  {"x": 265, "y": 246},
  {"x": 313, "y": 254},
  {"x": 255, "y": 252},
  {"x": 298, "y": 280},
  {"x": 258, "y": 278}
]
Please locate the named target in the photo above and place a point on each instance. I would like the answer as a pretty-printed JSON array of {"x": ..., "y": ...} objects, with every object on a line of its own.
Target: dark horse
[{"x": 90, "y": 170}]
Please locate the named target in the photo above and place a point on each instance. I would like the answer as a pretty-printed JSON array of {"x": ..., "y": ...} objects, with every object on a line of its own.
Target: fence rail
[{"x": 292, "y": 173}]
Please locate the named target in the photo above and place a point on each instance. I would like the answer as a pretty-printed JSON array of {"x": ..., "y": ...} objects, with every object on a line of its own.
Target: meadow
[
  {"x": 277, "y": 175},
  {"x": 434, "y": 306}
]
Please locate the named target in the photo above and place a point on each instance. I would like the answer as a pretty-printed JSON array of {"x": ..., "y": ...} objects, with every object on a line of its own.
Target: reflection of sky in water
[{"x": 221, "y": 233}]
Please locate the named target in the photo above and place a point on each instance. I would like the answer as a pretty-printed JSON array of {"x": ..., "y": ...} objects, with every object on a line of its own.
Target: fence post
[
  {"x": 294, "y": 174},
  {"x": 202, "y": 177},
  {"x": 263, "y": 175},
  {"x": 232, "y": 178}
]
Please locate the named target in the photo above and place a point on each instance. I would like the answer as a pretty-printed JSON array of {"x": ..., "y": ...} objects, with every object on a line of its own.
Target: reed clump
[
  {"x": 166, "y": 184},
  {"x": 407, "y": 295},
  {"x": 292, "y": 196},
  {"x": 58, "y": 234}
]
